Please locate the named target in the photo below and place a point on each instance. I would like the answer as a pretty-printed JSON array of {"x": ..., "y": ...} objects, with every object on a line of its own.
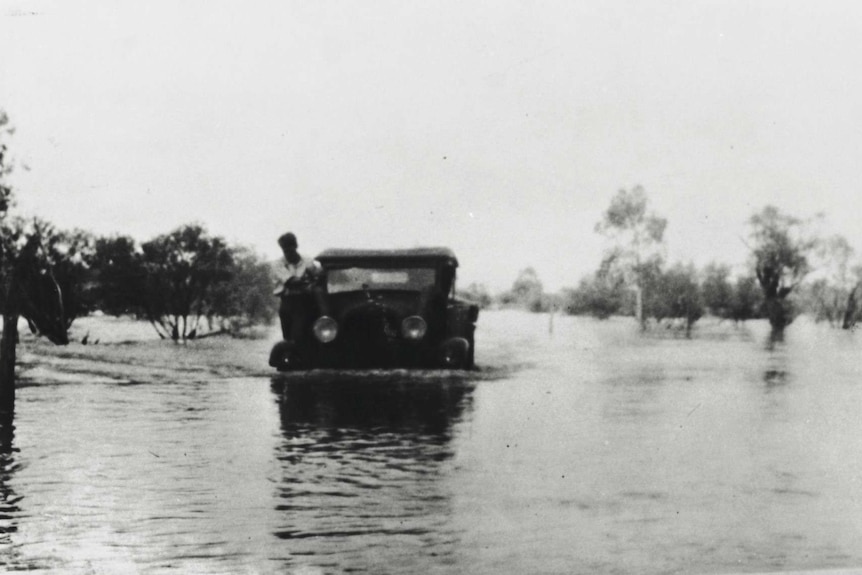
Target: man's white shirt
[{"x": 296, "y": 270}]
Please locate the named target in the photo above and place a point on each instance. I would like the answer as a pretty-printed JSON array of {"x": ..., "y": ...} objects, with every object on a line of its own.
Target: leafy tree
[
  {"x": 594, "y": 297},
  {"x": 834, "y": 257},
  {"x": 780, "y": 251},
  {"x": 682, "y": 295},
  {"x": 672, "y": 294},
  {"x": 637, "y": 238},
  {"x": 601, "y": 295},
  {"x": 245, "y": 299},
  {"x": 527, "y": 292},
  {"x": 119, "y": 276},
  {"x": 717, "y": 290},
  {"x": 527, "y": 286},
  {"x": 747, "y": 299},
  {"x": 183, "y": 270},
  {"x": 852, "y": 310},
  {"x": 70, "y": 255},
  {"x": 831, "y": 294},
  {"x": 652, "y": 283},
  {"x": 187, "y": 283},
  {"x": 477, "y": 294},
  {"x": 27, "y": 286},
  {"x": 6, "y": 130},
  {"x": 824, "y": 301}
]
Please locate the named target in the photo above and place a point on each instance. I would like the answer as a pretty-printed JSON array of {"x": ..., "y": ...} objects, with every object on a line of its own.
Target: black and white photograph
[{"x": 323, "y": 287}]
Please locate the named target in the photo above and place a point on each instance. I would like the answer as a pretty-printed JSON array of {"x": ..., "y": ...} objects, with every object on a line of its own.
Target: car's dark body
[{"x": 369, "y": 294}]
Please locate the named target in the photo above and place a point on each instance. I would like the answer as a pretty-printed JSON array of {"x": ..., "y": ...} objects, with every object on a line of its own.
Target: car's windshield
[{"x": 356, "y": 279}]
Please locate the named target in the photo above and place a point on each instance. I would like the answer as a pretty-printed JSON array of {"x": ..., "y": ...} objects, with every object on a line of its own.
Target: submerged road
[{"x": 590, "y": 450}]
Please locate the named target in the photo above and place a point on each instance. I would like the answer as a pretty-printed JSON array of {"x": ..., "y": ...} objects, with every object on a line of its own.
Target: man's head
[
  {"x": 288, "y": 245},
  {"x": 288, "y": 240}
]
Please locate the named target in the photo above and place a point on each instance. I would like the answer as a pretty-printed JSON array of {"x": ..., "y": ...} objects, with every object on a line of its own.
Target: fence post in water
[{"x": 7, "y": 363}]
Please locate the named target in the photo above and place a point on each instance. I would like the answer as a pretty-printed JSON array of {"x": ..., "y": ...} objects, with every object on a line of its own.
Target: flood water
[{"x": 588, "y": 450}]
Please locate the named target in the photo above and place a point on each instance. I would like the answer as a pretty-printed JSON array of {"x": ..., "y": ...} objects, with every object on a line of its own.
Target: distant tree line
[
  {"x": 190, "y": 284},
  {"x": 187, "y": 283},
  {"x": 526, "y": 293},
  {"x": 28, "y": 288},
  {"x": 791, "y": 270},
  {"x": 680, "y": 293}
]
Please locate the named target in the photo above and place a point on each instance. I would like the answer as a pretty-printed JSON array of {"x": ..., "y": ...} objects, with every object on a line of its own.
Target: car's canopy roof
[{"x": 388, "y": 258}]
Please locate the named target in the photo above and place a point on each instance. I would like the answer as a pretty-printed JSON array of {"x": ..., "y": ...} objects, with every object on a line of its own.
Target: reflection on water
[
  {"x": 777, "y": 371},
  {"x": 775, "y": 378},
  {"x": 592, "y": 450},
  {"x": 9, "y": 509},
  {"x": 361, "y": 470},
  {"x": 421, "y": 405}
]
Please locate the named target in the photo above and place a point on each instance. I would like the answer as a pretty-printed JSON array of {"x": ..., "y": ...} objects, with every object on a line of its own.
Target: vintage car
[{"x": 382, "y": 308}]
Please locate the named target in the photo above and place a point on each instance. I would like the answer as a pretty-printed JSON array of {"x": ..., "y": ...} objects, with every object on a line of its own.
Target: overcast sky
[{"x": 500, "y": 129}]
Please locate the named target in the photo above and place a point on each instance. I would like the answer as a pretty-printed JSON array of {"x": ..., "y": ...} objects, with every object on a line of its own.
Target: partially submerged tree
[
  {"x": 27, "y": 286},
  {"x": 677, "y": 295},
  {"x": 27, "y": 289},
  {"x": 823, "y": 301},
  {"x": 245, "y": 299},
  {"x": 118, "y": 275},
  {"x": 70, "y": 256},
  {"x": 830, "y": 295},
  {"x": 187, "y": 283},
  {"x": 477, "y": 294},
  {"x": 601, "y": 295},
  {"x": 852, "y": 311},
  {"x": 527, "y": 292},
  {"x": 747, "y": 299},
  {"x": 5, "y": 165},
  {"x": 780, "y": 252},
  {"x": 183, "y": 271},
  {"x": 717, "y": 290},
  {"x": 637, "y": 238},
  {"x": 670, "y": 294}
]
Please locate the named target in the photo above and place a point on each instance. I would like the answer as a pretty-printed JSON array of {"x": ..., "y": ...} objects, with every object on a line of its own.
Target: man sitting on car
[{"x": 297, "y": 278}]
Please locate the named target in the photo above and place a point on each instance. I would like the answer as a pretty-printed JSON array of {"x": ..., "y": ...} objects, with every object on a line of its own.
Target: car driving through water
[{"x": 382, "y": 308}]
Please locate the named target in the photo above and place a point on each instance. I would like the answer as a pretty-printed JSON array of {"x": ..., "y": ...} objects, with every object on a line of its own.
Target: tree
[
  {"x": 780, "y": 253},
  {"x": 527, "y": 292},
  {"x": 477, "y": 294},
  {"x": 717, "y": 290},
  {"x": 118, "y": 276},
  {"x": 5, "y": 165},
  {"x": 747, "y": 299},
  {"x": 674, "y": 294},
  {"x": 637, "y": 237},
  {"x": 831, "y": 294},
  {"x": 27, "y": 285},
  {"x": 823, "y": 300},
  {"x": 183, "y": 270},
  {"x": 70, "y": 256},
  {"x": 187, "y": 283},
  {"x": 245, "y": 299},
  {"x": 601, "y": 295},
  {"x": 852, "y": 311},
  {"x": 594, "y": 297}
]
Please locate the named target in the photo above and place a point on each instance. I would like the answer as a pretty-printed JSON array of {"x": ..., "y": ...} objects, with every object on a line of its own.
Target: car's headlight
[
  {"x": 325, "y": 329},
  {"x": 413, "y": 327}
]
